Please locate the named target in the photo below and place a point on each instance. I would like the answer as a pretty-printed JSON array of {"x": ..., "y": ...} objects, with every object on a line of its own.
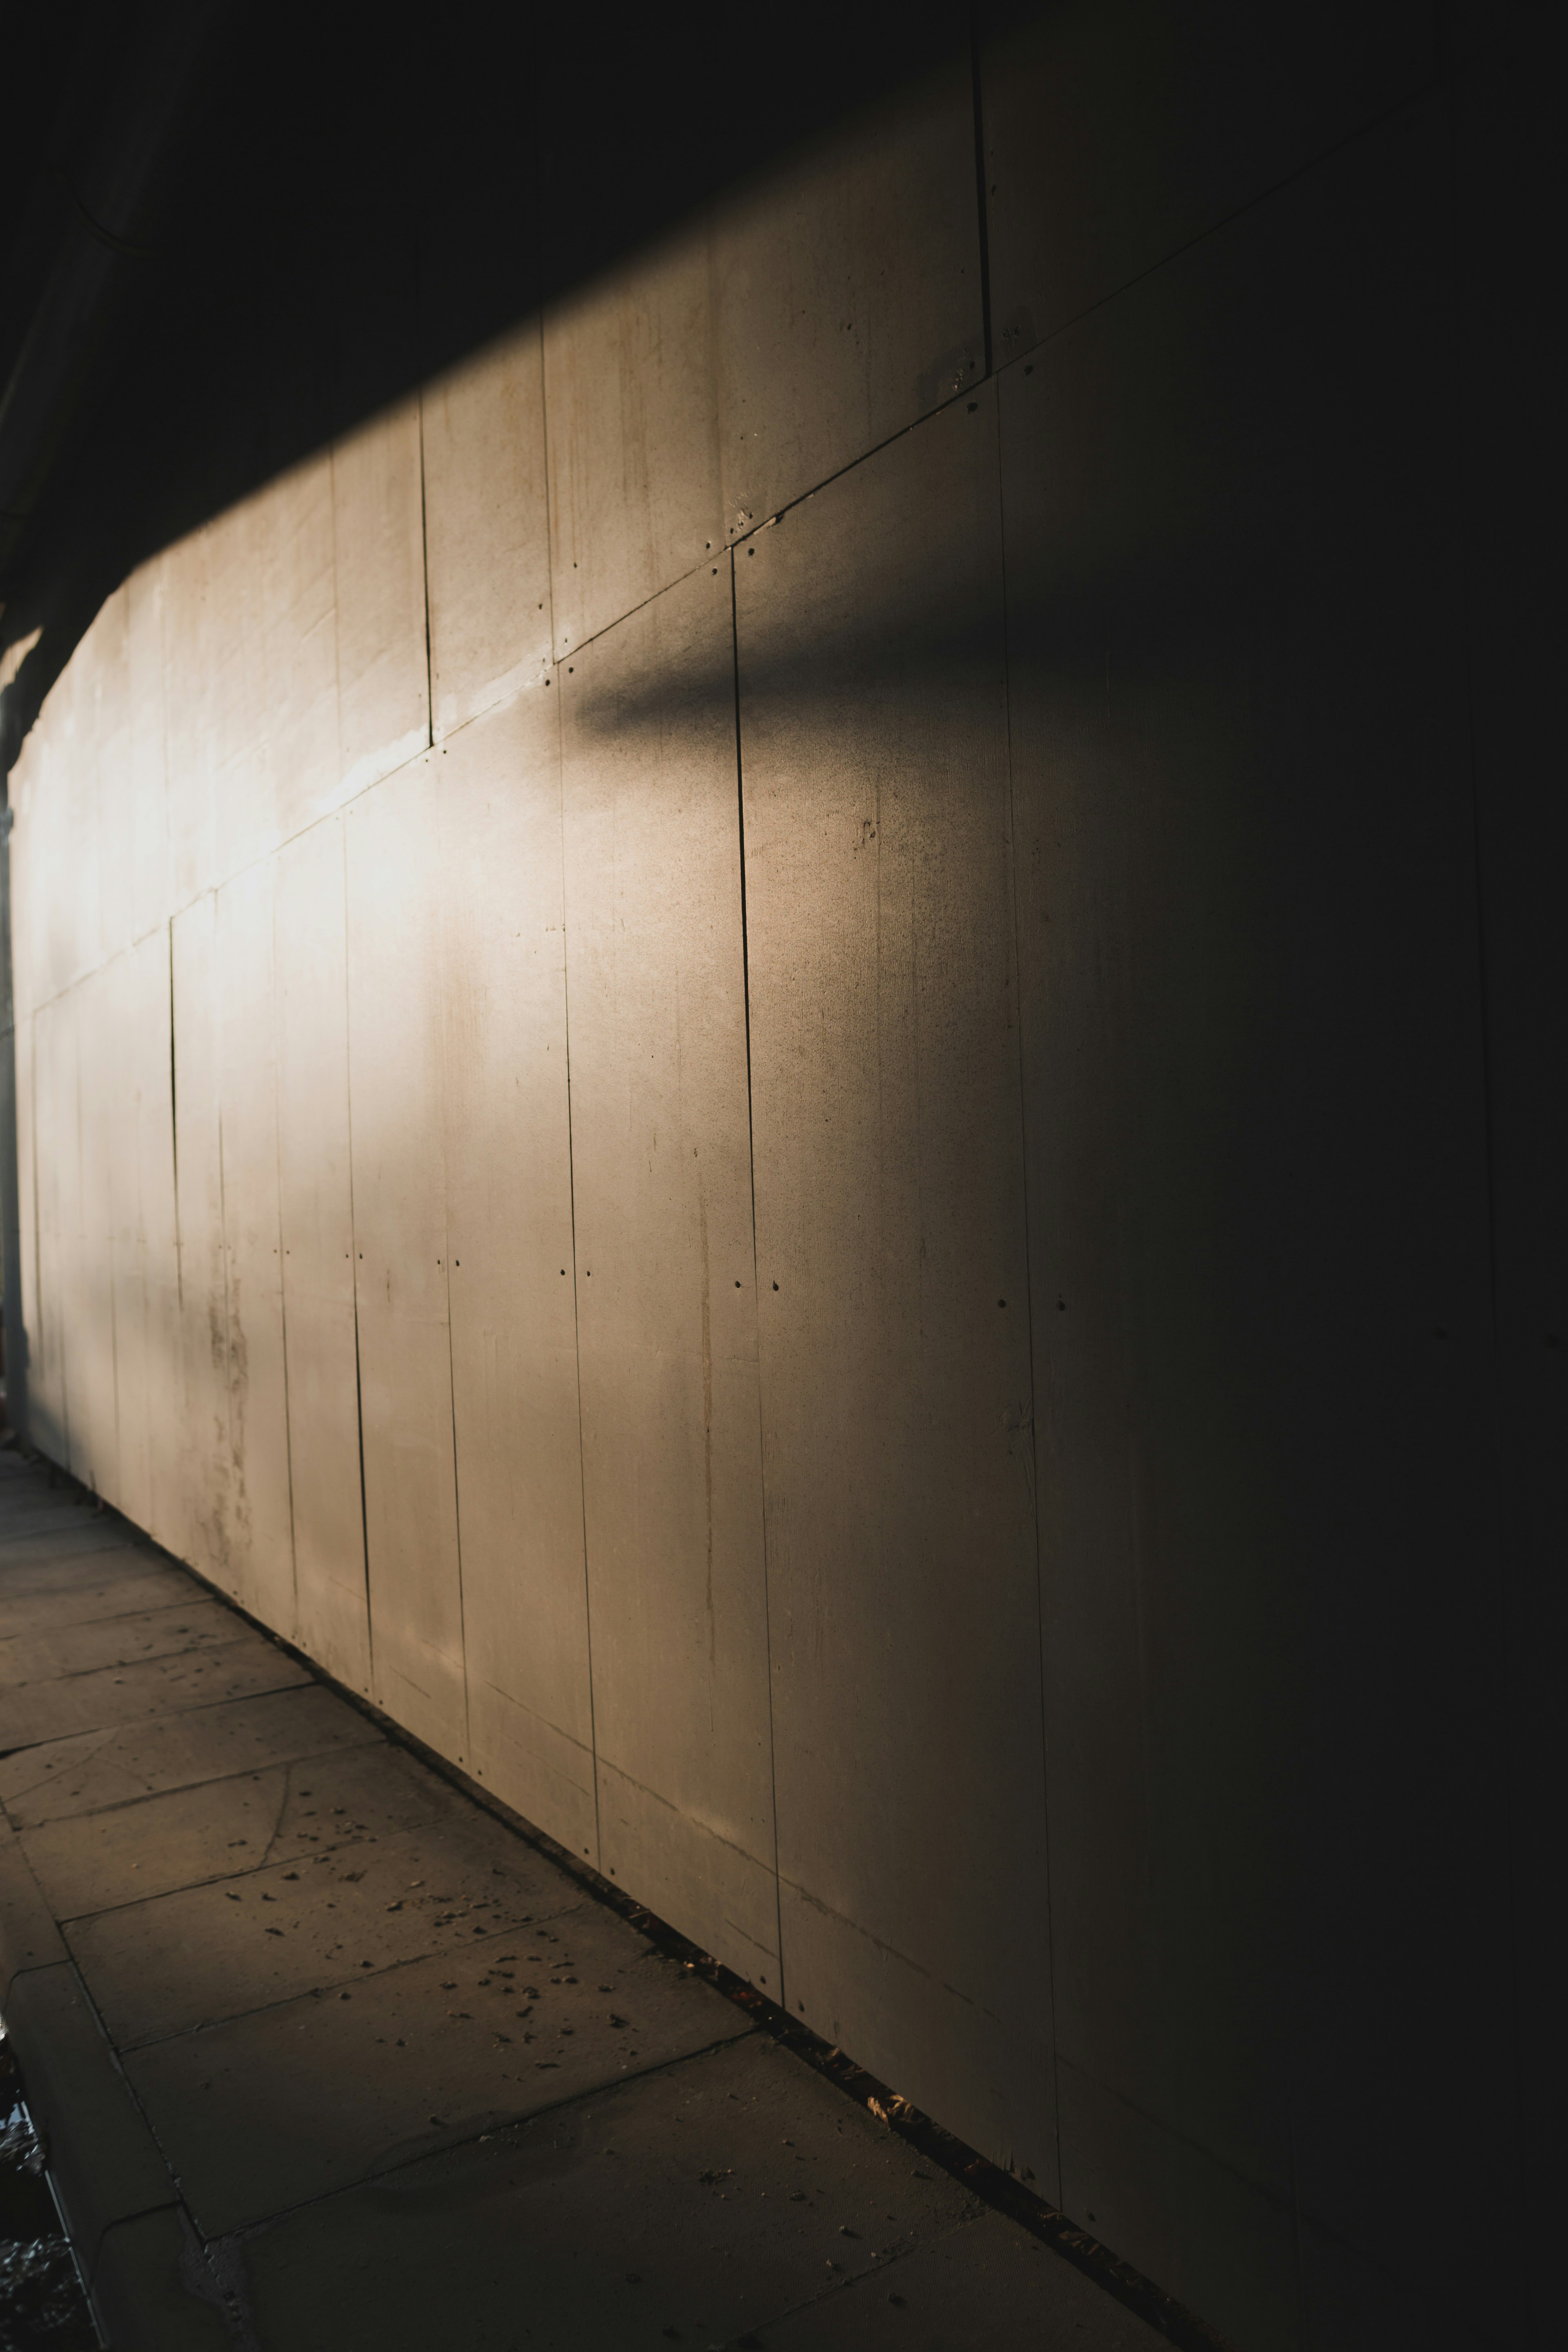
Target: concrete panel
[
  {"x": 383, "y": 699},
  {"x": 145, "y": 875},
  {"x": 893, "y": 1284},
  {"x": 1213, "y": 2237},
  {"x": 29, "y": 908},
  {"x": 635, "y": 495},
  {"x": 847, "y": 297},
  {"x": 28, "y": 1231},
  {"x": 100, "y": 764},
  {"x": 88, "y": 1268},
  {"x": 396, "y": 1052},
  {"x": 202, "y": 1535},
  {"x": 71, "y": 873},
  {"x": 661, "y": 1152},
  {"x": 1258, "y": 1235},
  {"x": 55, "y": 1159},
  {"x": 298, "y": 620},
  {"x": 149, "y": 1388},
  {"x": 51, "y": 919},
  {"x": 245, "y": 821},
  {"x": 193, "y": 667},
  {"x": 261, "y": 1518},
  {"x": 1114, "y": 135},
  {"x": 488, "y": 529},
  {"x": 513, "y": 1307},
  {"x": 316, "y": 1215}
]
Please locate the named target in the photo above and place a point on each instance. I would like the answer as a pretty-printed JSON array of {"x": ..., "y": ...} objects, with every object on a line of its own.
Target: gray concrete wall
[{"x": 751, "y": 1064}]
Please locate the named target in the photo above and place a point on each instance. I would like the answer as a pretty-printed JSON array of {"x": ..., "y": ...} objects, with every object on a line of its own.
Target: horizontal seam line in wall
[
  {"x": 428, "y": 751},
  {"x": 670, "y": 1806},
  {"x": 1408, "y": 105},
  {"x": 1281, "y": 2198},
  {"x": 274, "y": 849},
  {"x": 892, "y": 1951},
  {"x": 533, "y": 1714},
  {"x": 729, "y": 546}
]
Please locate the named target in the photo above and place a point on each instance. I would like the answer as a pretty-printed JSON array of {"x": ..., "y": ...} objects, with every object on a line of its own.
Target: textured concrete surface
[{"x": 327, "y": 2056}]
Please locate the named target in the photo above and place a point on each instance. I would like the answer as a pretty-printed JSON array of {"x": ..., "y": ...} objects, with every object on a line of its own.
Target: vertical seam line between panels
[
  {"x": 282, "y": 1289},
  {"x": 62, "y": 1244},
  {"x": 33, "y": 1139},
  {"x": 983, "y": 219},
  {"x": 113, "y": 1352},
  {"x": 756, "y": 1278},
  {"x": 572, "y": 1196},
  {"x": 349, "y": 1092},
  {"x": 354, "y": 1278},
  {"x": 1028, "y": 1287},
  {"x": 173, "y": 1134},
  {"x": 458, "y": 1508},
  {"x": 75, "y": 1001},
  {"x": 223, "y": 1245},
  {"x": 1368, "y": 130},
  {"x": 425, "y": 579},
  {"x": 467, "y": 1758},
  {"x": 571, "y": 1139}
]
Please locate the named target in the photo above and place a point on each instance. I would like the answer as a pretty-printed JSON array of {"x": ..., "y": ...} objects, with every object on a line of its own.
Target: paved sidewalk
[{"x": 327, "y": 2057}]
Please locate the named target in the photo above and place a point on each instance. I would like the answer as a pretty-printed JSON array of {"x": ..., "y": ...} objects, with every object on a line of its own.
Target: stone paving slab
[
  {"x": 979, "y": 2288},
  {"x": 76, "y": 1646},
  {"x": 111, "y": 1583},
  {"x": 76, "y": 1539},
  {"x": 284, "y": 2106},
  {"x": 731, "y": 2198},
  {"x": 212, "y": 1952},
  {"x": 52, "y": 1519},
  {"x": 154, "y": 1686},
  {"x": 97, "y": 1770},
  {"x": 98, "y": 1862}
]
